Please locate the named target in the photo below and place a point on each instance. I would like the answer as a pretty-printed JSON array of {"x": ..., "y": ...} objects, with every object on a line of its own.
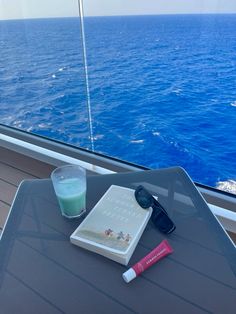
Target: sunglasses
[{"x": 159, "y": 216}]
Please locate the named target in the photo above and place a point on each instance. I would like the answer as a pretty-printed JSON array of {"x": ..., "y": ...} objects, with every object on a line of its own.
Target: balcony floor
[{"x": 14, "y": 168}]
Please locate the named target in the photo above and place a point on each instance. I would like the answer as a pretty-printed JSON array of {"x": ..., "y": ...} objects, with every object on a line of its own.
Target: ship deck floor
[{"x": 15, "y": 167}]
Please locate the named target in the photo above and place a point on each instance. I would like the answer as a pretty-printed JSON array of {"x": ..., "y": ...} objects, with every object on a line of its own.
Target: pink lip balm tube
[{"x": 154, "y": 256}]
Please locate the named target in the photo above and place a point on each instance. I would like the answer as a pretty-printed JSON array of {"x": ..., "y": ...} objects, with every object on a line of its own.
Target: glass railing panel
[
  {"x": 42, "y": 78},
  {"x": 162, "y": 86}
]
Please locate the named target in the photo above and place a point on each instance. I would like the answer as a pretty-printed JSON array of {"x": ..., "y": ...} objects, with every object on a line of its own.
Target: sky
[{"x": 17, "y": 9}]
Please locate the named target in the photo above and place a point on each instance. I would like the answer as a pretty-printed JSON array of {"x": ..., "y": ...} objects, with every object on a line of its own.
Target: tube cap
[{"x": 129, "y": 275}]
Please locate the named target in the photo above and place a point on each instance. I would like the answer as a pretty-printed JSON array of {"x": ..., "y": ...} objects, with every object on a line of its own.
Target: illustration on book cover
[{"x": 114, "y": 221}]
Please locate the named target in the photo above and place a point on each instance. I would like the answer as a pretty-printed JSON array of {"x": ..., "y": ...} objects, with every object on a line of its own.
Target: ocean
[{"x": 162, "y": 88}]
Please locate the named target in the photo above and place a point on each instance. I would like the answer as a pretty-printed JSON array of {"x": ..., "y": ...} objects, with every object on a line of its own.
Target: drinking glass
[{"x": 69, "y": 183}]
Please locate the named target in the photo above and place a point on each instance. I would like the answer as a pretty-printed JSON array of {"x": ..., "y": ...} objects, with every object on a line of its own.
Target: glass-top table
[{"x": 42, "y": 272}]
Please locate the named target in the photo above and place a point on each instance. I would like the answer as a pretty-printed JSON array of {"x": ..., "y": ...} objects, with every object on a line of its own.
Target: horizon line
[{"x": 117, "y": 15}]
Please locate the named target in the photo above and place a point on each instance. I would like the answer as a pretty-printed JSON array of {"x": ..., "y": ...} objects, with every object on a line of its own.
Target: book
[{"x": 114, "y": 225}]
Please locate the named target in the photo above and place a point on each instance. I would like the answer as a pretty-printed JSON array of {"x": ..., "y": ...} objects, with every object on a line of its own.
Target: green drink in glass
[{"x": 69, "y": 183}]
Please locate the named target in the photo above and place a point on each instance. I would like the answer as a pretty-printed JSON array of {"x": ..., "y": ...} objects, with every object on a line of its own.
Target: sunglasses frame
[{"x": 158, "y": 210}]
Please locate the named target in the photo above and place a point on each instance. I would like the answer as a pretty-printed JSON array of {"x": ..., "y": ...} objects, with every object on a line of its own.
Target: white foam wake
[
  {"x": 136, "y": 141},
  {"x": 233, "y": 104},
  {"x": 227, "y": 186}
]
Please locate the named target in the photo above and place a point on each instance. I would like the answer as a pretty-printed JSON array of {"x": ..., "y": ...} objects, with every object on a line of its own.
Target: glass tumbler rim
[{"x": 60, "y": 168}]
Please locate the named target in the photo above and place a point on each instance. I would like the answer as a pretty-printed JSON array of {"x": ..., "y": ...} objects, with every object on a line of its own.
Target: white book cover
[{"x": 114, "y": 226}]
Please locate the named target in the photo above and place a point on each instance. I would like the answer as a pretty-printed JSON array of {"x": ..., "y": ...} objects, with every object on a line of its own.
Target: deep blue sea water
[{"x": 162, "y": 88}]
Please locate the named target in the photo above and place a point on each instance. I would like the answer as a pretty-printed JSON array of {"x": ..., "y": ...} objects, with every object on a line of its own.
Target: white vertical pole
[{"x": 90, "y": 123}]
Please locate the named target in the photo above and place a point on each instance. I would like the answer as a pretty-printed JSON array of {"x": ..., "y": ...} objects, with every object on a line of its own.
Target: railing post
[{"x": 84, "y": 54}]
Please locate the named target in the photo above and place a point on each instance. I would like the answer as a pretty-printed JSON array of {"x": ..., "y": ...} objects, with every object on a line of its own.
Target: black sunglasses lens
[
  {"x": 159, "y": 217},
  {"x": 163, "y": 222},
  {"x": 143, "y": 198}
]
